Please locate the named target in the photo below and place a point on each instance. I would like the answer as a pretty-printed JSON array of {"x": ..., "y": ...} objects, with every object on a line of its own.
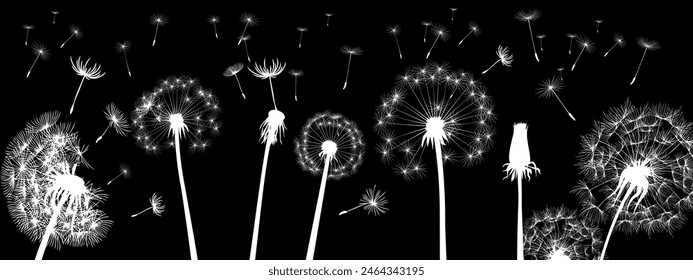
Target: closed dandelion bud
[{"x": 519, "y": 163}]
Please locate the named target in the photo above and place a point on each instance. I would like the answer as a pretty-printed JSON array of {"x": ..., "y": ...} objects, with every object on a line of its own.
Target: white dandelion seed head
[
  {"x": 264, "y": 72},
  {"x": 527, "y": 15},
  {"x": 550, "y": 87},
  {"x": 648, "y": 44},
  {"x": 351, "y": 50},
  {"x": 158, "y": 206},
  {"x": 504, "y": 55},
  {"x": 273, "y": 127},
  {"x": 585, "y": 43},
  {"x": 81, "y": 69},
  {"x": 558, "y": 234},
  {"x": 158, "y": 19},
  {"x": 123, "y": 46},
  {"x": 40, "y": 50},
  {"x": 116, "y": 119}
]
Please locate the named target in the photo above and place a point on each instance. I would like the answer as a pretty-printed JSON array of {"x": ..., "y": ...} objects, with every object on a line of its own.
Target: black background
[{"x": 222, "y": 182}]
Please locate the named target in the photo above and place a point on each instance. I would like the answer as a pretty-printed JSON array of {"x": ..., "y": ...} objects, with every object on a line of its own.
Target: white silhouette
[
  {"x": 473, "y": 29},
  {"x": 598, "y": 21},
  {"x": 41, "y": 52},
  {"x": 529, "y": 16},
  {"x": 351, "y": 52},
  {"x": 328, "y": 15},
  {"x": 28, "y": 28},
  {"x": 300, "y": 37},
  {"x": 585, "y": 45},
  {"x": 549, "y": 88},
  {"x": 55, "y": 13},
  {"x": 394, "y": 31},
  {"x": 124, "y": 172},
  {"x": 618, "y": 41},
  {"x": 296, "y": 74},
  {"x": 372, "y": 202},
  {"x": 249, "y": 20},
  {"x": 264, "y": 72},
  {"x": 647, "y": 45},
  {"x": 124, "y": 47},
  {"x": 116, "y": 120},
  {"x": 570, "y": 43},
  {"x": 557, "y": 234},
  {"x": 74, "y": 32},
  {"x": 541, "y": 41},
  {"x": 157, "y": 206},
  {"x": 245, "y": 43},
  {"x": 504, "y": 57},
  {"x": 232, "y": 71},
  {"x": 213, "y": 20},
  {"x": 452, "y": 17},
  {"x": 441, "y": 33},
  {"x": 426, "y": 24},
  {"x": 158, "y": 20},
  {"x": 88, "y": 73}
]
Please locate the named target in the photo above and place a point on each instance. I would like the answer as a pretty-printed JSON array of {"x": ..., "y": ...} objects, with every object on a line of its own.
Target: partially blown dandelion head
[
  {"x": 351, "y": 50},
  {"x": 273, "y": 127},
  {"x": 638, "y": 157},
  {"x": 558, "y": 234},
  {"x": 549, "y": 87},
  {"x": 40, "y": 50},
  {"x": 123, "y": 46},
  {"x": 39, "y": 178},
  {"x": 158, "y": 206},
  {"x": 89, "y": 73},
  {"x": 329, "y": 136},
  {"x": 519, "y": 166},
  {"x": 527, "y": 15},
  {"x": 648, "y": 44},
  {"x": 177, "y": 107},
  {"x": 116, "y": 119},
  {"x": 233, "y": 69},
  {"x": 264, "y": 72},
  {"x": 504, "y": 55},
  {"x": 158, "y": 19}
]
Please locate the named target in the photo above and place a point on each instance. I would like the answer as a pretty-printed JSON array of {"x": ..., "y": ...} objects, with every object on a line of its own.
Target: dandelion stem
[
  {"x": 102, "y": 134},
  {"x": 51, "y": 226},
  {"x": 570, "y": 47},
  {"x": 425, "y": 32},
  {"x": 640, "y": 64},
  {"x": 441, "y": 200},
  {"x": 532, "y": 37},
  {"x": 465, "y": 37},
  {"x": 68, "y": 39},
  {"x": 135, "y": 215},
  {"x": 398, "y": 48},
  {"x": 247, "y": 54},
  {"x": 434, "y": 44},
  {"x": 613, "y": 223},
  {"x": 520, "y": 241},
  {"x": 612, "y": 47},
  {"x": 347, "y": 211},
  {"x": 76, "y": 94},
  {"x": 26, "y": 38},
  {"x": 186, "y": 207},
  {"x": 318, "y": 210},
  {"x": 258, "y": 208},
  {"x": 347, "y": 73},
  {"x": 300, "y": 39},
  {"x": 578, "y": 58},
  {"x": 494, "y": 64},
  {"x": 239, "y": 86},
  {"x": 272, "y": 90},
  {"x": 116, "y": 177},
  {"x": 243, "y": 34},
  {"x": 564, "y": 108},
  {"x": 216, "y": 35},
  {"x": 127, "y": 64},
  {"x": 32, "y": 66},
  {"x": 295, "y": 88},
  {"x": 156, "y": 32}
]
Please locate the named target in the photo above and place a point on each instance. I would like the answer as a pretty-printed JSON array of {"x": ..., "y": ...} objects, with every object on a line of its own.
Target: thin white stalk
[
  {"x": 127, "y": 64},
  {"x": 32, "y": 66},
  {"x": 398, "y": 48},
  {"x": 76, "y": 94},
  {"x": 532, "y": 37},
  {"x": 520, "y": 240},
  {"x": 68, "y": 39},
  {"x": 564, "y": 108},
  {"x": 243, "y": 34},
  {"x": 613, "y": 223},
  {"x": 347, "y": 73},
  {"x": 258, "y": 208},
  {"x": 295, "y": 88},
  {"x": 135, "y": 215},
  {"x": 300, "y": 39},
  {"x": 186, "y": 207},
  {"x": 318, "y": 210},
  {"x": 116, "y": 177},
  {"x": 640, "y": 64},
  {"x": 239, "y": 86},
  {"x": 51, "y": 226},
  {"x": 612, "y": 47},
  {"x": 102, "y": 134},
  {"x": 465, "y": 37},
  {"x": 272, "y": 90},
  {"x": 578, "y": 58},
  {"x": 434, "y": 44},
  {"x": 494, "y": 64},
  {"x": 347, "y": 211},
  {"x": 247, "y": 54},
  {"x": 441, "y": 201},
  {"x": 156, "y": 32}
]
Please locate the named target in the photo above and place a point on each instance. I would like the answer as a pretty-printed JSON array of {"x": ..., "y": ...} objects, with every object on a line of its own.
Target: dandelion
[
  {"x": 213, "y": 20},
  {"x": 116, "y": 120},
  {"x": 618, "y": 41},
  {"x": 452, "y": 17},
  {"x": 26, "y": 38},
  {"x": 426, "y": 24},
  {"x": 433, "y": 106},
  {"x": 635, "y": 165},
  {"x": 647, "y": 45},
  {"x": 272, "y": 129},
  {"x": 541, "y": 41},
  {"x": 333, "y": 145},
  {"x": 177, "y": 110},
  {"x": 296, "y": 74},
  {"x": 268, "y": 73},
  {"x": 124, "y": 172},
  {"x": 549, "y": 88},
  {"x": 249, "y": 20},
  {"x": 88, "y": 73},
  {"x": 124, "y": 47},
  {"x": 157, "y": 206},
  {"x": 560, "y": 72},
  {"x": 585, "y": 45},
  {"x": 394, "y": 31},
  {"x": 473, "y": 29},
  {"x": 529, "y": 16},
  {"x": 598, "y": 21},
  {"x": 158, "y": 20},
  {"x": 504, "y": 57},
  {"x": 232, "y": 71},
  {"x": 519, "y": 167},
  {"x": 245, "y": 43},
  {"x": 46, "y": 198},
  {"x": 570, "y": 45},
  {"x": 300, "y": 37},
  {"x": 55, "y": 13},
  {"x": 351, "y": 52},
  {"x": 40, "y": 51},
  {"x": 441, "y": 34},
  {"x": 74, "y": 32},
  {"x": 328, "y": 15},
  {"x": 373, "y": 202},
  {"x": 558, "y": 234}
]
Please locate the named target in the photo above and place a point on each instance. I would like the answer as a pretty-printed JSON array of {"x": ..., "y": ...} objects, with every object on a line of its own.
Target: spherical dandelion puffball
[
  {"x": 40, "y": 182},
  {"x": 434, "y": 104},
  {"x": 177, "y": 106},
  {"x": 334, "y": 137},
  {"x": 557, "y": 234},
  {"x": 641, "y": 158}
]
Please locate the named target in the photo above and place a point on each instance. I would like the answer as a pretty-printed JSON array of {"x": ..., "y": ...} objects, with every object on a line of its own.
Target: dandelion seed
[
  {"x": 351, "y": 52},
  {"x": 560, "y": 72},
  {"x": 549, "y": 88},
  {"x": 39, "y": 51},
  {"x": 74, "y": 32},
  {"x": 328, "y": 15},
  {"x": 124, "y": 172},
  {"x": 232, "y": 71},
  {"x": 647, "y": 45},
  {"x": 528, "y": 16},
  {"x": 249, "y": 20},
  {"x": 598, "y": 21},
  {"x": 372, "y": 202},
  {"x": 265, "y": 72},
  {"x": 452, "y": 17},
  {"x": 618, "y": 41},
  {"x": 55, "y": 13},
  {"x": 245, "y": 43},
  {"x": 124, "y": 47},
  {"x": 116, "y": 120},
  {"x": 88, "y": 73},
  {"x": 26, "y": 38},
  {"x": 585, "y": 45},
  {"x": 300, "y": 37},
  {"x": 158, "y": 20},
  {"x": 334, "y": 145},
  {"x": 558, "y": 234},
  {"x": 394, "y": 31},
  {"x": 213, "y": 20},
  {"x": 504, "y": 57},
  {"x": 441, "y": 33},
  {"x": 473, "y": 29},
  {"x": 570, "y": 47},
  {"x": 296, "y": 74},
  {"x": 157, "y": 206},
  {"x": 541, "y": 41},
  {"x": 426, "y": 25}
]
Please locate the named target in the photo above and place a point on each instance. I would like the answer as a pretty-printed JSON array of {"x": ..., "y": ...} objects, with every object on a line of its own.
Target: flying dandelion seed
[
  {"x": 249, "y": 20},
  {"x": 558, "y": 234},
  {"x": 598, "y": 21},
  {"x": 55, "y": 13},
  {"x": 177, "y": 110},
  {"x": 158, "y": 20},
  {"x": 46, "y": 198},
  {"x": 75, "y": 32},
  {"x": 519, "y": 167},
  {"x": 636, "y": 170},
  {"x": 232, "y": 71},
  {"x": 328, "y": 15},
  {"x": 331, "y": 144},
  {"x": 300, "y": 37},
  {"x": 647, "y": 45},
  {"x": 271, "y": 130},
  {"x": 394, "y": 31},
  {"x": 213, "y": 20},
  {"x": 529, "y": 16},
  {"x": 124, "y": 172},
  {"x": 88, "y": 73},
  {"x": 441, "y": 33},
  {"x": 264, "y": 72},
  {"x": 570, "y": 44},
  {"x": 618, "y": 41},
  {"x": 541, "y": 41},
  {"x": 560, "y": 72},
  {"x": 40, "y": 51},
  {"x": 245, "y": 43},
  {"x": 473, "y": 29},
  {"x": 296, "y": 74},
  {"x": 116, "y": 120},
  {"x": 124, "y": 47},
  {"x": 26, "y": 38},
  {"x": 452, "y": 17},
  {"x": 372, "y": 202},
  {"x": 549, "y": 88},
  {"x": 157, "y": 206},
  {"x": 433, "y": 106},
  {"x": 426, "y": 25},
  {"x": 504, "y": 57},
  {"x": 351, "y": 52},
  {"x": 585, "y": 45}
]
